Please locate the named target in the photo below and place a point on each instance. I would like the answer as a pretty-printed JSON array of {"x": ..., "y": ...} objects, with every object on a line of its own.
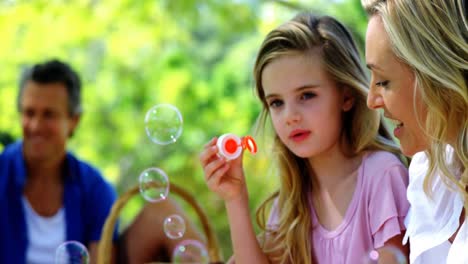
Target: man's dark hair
[{"x": 54, "y": 71}]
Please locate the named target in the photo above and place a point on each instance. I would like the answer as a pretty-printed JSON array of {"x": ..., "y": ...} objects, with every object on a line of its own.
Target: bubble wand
[{"x": 230, "y": 146}]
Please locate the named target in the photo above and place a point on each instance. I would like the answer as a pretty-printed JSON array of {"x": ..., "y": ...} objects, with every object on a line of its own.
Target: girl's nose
[{"x": 292, "y": 115}]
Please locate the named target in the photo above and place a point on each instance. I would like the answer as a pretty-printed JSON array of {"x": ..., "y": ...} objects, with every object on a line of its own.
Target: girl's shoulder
[
  {"x": 380, "y": 160},
  {"x": 378, "y": 166}
]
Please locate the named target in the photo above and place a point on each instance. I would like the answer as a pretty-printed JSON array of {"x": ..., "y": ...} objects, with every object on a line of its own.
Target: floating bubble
[
  {"x": 163, "y": 124},
  {"x": 154, "y": 185},
  {"x": 371, "y": 257},
  {"x": 174, "y": 226},
  {"x": 390, "y": 253},
  {"x": 190, "y": 251},
  {"x": 71, "y": 252}
]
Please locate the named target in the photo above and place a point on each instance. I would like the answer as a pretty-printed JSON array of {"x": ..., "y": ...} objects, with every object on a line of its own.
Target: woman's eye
[
  {"x": 275, "y": 103},
  {"x": 382, "y": 83}
]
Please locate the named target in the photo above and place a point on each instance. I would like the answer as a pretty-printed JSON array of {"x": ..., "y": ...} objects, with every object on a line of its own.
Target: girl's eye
[
  {"x": 382, "y": 84},
  {"x": 307, "y": 95},
  {"x": 275, "y": 103}
]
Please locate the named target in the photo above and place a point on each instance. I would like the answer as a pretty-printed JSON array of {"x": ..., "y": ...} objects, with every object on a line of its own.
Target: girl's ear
[{"x": 348, "y": 99}]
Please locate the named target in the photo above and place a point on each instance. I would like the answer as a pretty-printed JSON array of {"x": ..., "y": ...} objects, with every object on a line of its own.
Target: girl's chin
[{"x": 302, "y": 154}]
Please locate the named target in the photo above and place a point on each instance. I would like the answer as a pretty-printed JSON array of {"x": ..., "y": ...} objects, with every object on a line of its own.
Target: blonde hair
[
  {"x": 362, "y": 128},
  {"x": 431, "y": 37}
]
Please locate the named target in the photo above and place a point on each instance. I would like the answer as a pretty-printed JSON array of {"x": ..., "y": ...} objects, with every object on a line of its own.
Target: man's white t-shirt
[{"x": 45, "y": 234}]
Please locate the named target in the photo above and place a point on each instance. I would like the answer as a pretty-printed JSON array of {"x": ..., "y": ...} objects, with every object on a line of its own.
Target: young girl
[
  {"x": 414, "y": 67},
  {"x": 342, "y": 192}
]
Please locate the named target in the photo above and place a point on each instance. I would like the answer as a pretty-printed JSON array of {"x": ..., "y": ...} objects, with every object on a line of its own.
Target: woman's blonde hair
[
  {"x": 362, "y": 128},
  {"x": 431, "y": 37}
]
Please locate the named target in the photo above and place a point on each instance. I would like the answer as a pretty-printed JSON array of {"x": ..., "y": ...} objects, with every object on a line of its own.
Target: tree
[{"x": 132, "y": 55}]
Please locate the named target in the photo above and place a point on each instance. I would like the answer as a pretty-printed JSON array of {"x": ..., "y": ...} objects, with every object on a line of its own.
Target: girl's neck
[{"x": 331, "y": 168}]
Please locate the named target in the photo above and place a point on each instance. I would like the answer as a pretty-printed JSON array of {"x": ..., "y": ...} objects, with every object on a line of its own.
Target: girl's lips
[{"x": 299, "y": 135}]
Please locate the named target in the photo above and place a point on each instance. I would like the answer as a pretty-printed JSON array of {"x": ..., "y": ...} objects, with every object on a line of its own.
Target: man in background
[{"x": 47, "y": 195}]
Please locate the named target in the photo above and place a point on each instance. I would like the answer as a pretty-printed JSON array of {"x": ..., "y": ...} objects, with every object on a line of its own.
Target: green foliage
[{"x": 132, "y": 55}]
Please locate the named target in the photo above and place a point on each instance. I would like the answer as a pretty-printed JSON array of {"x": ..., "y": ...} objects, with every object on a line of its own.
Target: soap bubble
[
  {"x": 71, "y": 252},
  {"x": 163, "y": 124},
  {"x": 393, "y": 254},
  {"x": 190, "y": 251},
  {"x": 154, "y": 184},
  {"x": 174, "y": 226},
  {"x": 372, "y": 257}
]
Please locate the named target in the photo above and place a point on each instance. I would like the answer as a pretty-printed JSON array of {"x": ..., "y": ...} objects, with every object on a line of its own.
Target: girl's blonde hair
[
  {"x": 362, "y": 128},
  {"x": 431, "y": 37}
]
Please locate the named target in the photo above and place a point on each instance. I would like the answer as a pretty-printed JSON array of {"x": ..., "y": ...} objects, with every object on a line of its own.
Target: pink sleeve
[
  {"x": 388, "y": 204},
  {"x": 273, "y": 219}
]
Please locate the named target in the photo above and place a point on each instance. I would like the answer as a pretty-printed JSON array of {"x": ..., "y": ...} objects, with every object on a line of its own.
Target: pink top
[{"x": 375, "y": 214}]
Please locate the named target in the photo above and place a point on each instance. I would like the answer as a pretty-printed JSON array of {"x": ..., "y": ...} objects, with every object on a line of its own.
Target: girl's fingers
[
  {"x": 210, "y": 143},
  {"x": 208, "y": 154},
  {"x": 215, "y": 179},
  {"x": 213, "y": 166}
]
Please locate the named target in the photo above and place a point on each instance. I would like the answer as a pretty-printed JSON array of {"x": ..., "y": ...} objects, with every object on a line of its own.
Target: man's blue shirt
[{"x": 87, "y": 200}]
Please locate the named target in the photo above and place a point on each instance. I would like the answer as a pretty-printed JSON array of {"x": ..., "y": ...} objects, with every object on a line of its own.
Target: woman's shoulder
[{"x": 419, "y": 166}]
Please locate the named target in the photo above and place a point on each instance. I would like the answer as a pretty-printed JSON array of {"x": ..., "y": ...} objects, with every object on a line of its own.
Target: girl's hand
[{"x": 225, "y": 178}]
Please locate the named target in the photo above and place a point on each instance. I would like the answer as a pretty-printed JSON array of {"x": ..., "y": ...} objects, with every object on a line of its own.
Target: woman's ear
[{"x": 348, "y": 99}]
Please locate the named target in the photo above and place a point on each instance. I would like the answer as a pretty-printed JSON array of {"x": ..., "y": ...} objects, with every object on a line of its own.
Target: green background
[{"x": 132, "y": 55}]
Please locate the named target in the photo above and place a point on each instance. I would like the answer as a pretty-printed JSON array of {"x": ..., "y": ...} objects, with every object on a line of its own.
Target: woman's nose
[{"x": 374, "y": 99}]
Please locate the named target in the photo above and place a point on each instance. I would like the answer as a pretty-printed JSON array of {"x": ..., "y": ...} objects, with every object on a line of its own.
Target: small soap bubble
[
  {"x": 372, "y": 257},
  {"x": 163, "y": 124},
  {"x": 174, "y": 226},
  {"x": 71, "y": 252},
  {"x": 190, "y": 251},
  {"x": 154, "y": 185},
  {"x": 390, "y": 253}
]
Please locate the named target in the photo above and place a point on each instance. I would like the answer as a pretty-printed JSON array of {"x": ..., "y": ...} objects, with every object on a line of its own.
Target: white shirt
[
  {"x": 45, "y": 234},
  {"x": 432, "y": 221}
]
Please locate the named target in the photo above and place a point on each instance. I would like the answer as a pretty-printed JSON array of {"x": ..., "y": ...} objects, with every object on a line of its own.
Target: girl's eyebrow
[{"x": 298, "y": 89}]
